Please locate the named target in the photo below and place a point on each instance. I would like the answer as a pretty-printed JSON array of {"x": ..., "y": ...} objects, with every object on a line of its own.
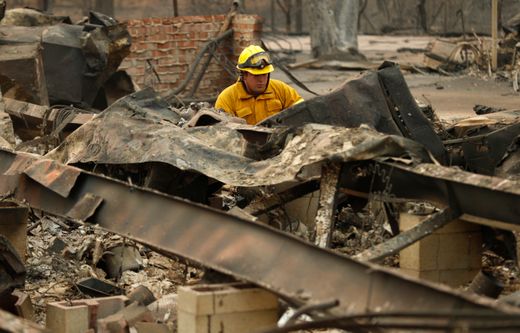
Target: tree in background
[
  {"x": 103, "y": 6},
  {"x": 48, "y": 5},
  {"x": 333, "y": 28}
]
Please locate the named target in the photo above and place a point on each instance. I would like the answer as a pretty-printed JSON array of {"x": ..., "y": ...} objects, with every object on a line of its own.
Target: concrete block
[
  {"x": 224, "y": 298},
  {"x": 237, "y": 322},
  {"x": 62, "y": 318},
  {"x": 421, "y": 255},
  {"x": 243, "y": 298},
  {"x": 96, "y": 308},
  {"x": 152, "y": 328},
  {"x": 229, "y": 308},
  {"x": 451, "y": 255},
  {"x": 459, "y": 226},
  {"x": 408, "y": 221},
  {"x": 243, "y": 321},
  {"x": 109, "y": 305},
  {"x": 459, "y": 251},
  {"x": 432, "y": 275},
  {"x": 127, "y": 317},
  {"x": 190, "y": 323},
  {"x": 197, "y": 300}
]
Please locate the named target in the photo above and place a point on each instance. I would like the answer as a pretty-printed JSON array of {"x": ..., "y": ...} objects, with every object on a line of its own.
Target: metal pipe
[
  {"x": 175, "y": 8},
  {"x": 494, "y": 35},
  {"x": 486, "y": 284}
]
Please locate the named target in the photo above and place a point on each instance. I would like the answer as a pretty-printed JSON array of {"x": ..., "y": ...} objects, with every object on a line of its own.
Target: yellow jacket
[{"x": 277, "y": 97}]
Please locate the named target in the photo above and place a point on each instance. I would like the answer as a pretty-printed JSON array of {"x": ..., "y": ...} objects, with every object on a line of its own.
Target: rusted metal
[
  {"x": 247, "y": 250},
  {"x": 327, "y": 204},
  {"x": 53, "y": 175},
  {"x": 486, "y": 284},
  {"x": 85, "y": 207},
  {"x": 90, "y": 53},
  {"x": 410, "y": 321},
  {"x": 237, "y": 155},
  {"x": 408, "y": 237},
  {"x": 28, "y": 119},
  {"x": 384, "y": 92},
  {"x": 480, "y": 199},
  {"x": 98, "y": 288}
]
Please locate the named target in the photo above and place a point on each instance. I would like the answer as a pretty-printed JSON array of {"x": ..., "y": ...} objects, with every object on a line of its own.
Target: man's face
[{"x": 256, "y": 84}]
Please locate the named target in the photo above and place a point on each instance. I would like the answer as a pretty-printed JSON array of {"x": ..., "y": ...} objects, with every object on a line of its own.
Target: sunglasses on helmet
[{"x": 259, "y": 60}]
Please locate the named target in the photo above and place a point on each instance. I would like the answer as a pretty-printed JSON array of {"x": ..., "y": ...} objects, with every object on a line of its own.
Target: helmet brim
[{"x": 258, "y": 71}]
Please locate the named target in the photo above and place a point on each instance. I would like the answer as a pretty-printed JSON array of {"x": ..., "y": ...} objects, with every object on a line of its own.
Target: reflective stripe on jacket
[{"x": 277, "y": 97}]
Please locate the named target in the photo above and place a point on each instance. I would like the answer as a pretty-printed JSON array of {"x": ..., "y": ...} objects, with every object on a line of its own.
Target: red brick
[
  {"x": 169, "y": 29},
  {"x": 173, "y": 43},
  {"x": 186, "y": 44},
  {"x": 166, "y": 61}
]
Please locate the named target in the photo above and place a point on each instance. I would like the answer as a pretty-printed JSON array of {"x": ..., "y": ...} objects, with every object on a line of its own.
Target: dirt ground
[{"x": 451, "y": 96}]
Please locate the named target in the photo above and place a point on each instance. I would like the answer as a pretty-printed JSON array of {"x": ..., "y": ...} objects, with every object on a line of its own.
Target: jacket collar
[{"x": 243, "y": 94}]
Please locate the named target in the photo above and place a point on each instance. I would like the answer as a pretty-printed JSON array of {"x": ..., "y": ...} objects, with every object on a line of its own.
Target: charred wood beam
[
  {"x": 408, "y": 237},
  {"x": 278, "y": 199},
  {"x": 480, "y": 199},
  {"x": 327, "y": 204},
  {"x": 248, "y": 250}
]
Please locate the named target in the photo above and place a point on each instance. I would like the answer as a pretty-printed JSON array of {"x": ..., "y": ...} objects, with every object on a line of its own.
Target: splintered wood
[{"x": 325, "y": 214}]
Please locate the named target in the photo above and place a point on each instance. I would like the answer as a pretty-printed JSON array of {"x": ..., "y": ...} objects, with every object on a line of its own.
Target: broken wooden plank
[
  {"x": 408, "y": 237},
  {"x": 327, "y": 204}
]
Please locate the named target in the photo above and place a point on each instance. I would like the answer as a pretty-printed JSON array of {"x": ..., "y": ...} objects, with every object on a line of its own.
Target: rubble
[
  {"x": 92, "y": 52},
  {"x": 130, "y": 199}
]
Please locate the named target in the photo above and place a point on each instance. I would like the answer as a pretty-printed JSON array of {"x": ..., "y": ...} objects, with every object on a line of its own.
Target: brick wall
[{"x": 163, "y": 50}]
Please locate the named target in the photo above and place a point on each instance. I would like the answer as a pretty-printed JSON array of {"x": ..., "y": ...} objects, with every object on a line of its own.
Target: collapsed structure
[{"x": 194, "y": 183}]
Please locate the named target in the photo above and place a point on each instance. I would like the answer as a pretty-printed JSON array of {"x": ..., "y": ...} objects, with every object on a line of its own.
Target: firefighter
[{"x": 255, "y": 96}]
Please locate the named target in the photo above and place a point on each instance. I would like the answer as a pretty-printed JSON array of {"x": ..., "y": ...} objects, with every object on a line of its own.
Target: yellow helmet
[{"x": 255, "y": 60}]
